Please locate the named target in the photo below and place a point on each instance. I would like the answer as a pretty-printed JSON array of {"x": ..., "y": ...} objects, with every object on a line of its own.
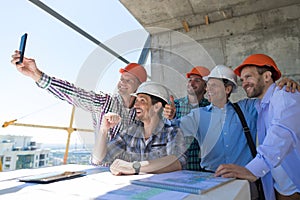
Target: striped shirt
[
  {"x": 183, "y": 107},
  {"x": 96, "y": 103},
  {"x": 130, "y": 144}
]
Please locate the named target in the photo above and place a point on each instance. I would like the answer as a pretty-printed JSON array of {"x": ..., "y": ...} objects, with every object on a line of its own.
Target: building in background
[{"x": 20, "y": 152}]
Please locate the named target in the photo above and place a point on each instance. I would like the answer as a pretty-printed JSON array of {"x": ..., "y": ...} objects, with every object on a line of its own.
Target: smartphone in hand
[{"x": 22, "y": 48}]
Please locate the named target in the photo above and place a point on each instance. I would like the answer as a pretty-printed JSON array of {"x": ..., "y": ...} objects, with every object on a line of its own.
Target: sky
[{"x": 61, "y": 52}]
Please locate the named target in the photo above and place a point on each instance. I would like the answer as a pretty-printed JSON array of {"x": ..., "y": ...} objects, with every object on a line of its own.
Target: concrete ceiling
[
  {"x": 178, "y": 14},
  {"x": 227, "y": 31}
]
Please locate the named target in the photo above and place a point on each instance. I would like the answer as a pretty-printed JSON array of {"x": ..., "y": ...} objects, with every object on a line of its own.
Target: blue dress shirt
[
  {"x": 231, "y": 144},
  {"x": 279, "y": 138}
]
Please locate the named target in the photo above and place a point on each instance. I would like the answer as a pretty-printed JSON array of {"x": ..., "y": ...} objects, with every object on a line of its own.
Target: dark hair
[
  {"x": 265, "y": 68},
  {"x": 155, "y": 99},
  {"x": 228, "y": 83}
]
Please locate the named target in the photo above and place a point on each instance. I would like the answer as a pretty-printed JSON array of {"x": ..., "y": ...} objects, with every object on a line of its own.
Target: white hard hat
[
  {"x": 154, "y": 89},
  {"x": 223, "y": 72}
]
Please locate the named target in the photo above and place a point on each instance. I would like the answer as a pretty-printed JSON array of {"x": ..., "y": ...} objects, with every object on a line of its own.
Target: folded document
[{"x": 184, "y": 181}]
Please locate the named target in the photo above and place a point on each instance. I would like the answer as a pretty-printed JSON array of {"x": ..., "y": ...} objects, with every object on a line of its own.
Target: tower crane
[{"x": 69, "y": 129}]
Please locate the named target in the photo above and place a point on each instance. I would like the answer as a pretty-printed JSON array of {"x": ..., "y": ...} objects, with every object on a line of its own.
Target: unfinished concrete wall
[{"x": 275, "y": 32}]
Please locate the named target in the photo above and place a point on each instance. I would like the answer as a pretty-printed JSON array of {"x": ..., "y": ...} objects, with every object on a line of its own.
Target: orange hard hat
[
  {"x": 137, "y": 70},
  {"x": 198, "y": 70},
  {"x": 259, "y": 60}
]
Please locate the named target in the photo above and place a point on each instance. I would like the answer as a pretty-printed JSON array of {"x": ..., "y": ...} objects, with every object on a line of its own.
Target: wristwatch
[{"x": 136, "y": 166}]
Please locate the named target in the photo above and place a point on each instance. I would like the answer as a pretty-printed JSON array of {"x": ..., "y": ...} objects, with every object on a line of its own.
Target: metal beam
[
  {"x": 76, "y": 28},
  {"x": 145, "y": 51}
]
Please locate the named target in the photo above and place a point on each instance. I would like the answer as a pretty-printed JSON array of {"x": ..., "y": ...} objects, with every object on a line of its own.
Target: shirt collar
[
  {"x": 261, "y": 103},
  {"x": 137, "y": 129},
  {"x": 269, "y": 94},
  {"x": 211, "y": 106},
  {"x": 119, "y": 98},
  {"x": 185, "y": 100},
  {"x": 203, "y": 101},
  {"x": 159, "y": 126}
]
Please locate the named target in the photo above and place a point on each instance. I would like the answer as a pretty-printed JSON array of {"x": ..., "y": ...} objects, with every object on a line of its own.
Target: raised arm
[
  {"x": 100, "y": 147},
  {"x": 87, "y": 100},
  {"x": 291, "y": 85},
  {"x": 27, "y": 67}
]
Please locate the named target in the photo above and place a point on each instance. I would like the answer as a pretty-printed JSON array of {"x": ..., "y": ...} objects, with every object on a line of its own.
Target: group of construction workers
[{"x": 143, "y": 129}]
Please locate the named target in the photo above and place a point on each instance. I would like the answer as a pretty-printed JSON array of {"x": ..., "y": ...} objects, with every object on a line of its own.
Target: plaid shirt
[
  {"x": 130, "y": 145},
  {"x": 96, "y": 104},
  {"x": 183, "y": 107}
]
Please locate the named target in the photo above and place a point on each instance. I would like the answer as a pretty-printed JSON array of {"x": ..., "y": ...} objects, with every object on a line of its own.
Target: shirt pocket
[{"x": 158, "y": 150}]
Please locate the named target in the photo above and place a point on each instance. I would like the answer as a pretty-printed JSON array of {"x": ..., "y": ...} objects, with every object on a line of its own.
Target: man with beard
[
  {"x": 96, "y": 103},
  {"x": 217, "y": 126},
  {"x": 150, "y": 145},
  {"x": 278, "y": 154},
  {"x": 194, "y": 99}
]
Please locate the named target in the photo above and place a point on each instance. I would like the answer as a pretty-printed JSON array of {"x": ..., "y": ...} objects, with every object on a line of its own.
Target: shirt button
[
  {"x": 264, "y": 172},
  {"x": 225, "y": 133},
  {"x": 258, "y": 155},
  {"x": 227, "y": 145},
  {"x": 278, "y": 158}
]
